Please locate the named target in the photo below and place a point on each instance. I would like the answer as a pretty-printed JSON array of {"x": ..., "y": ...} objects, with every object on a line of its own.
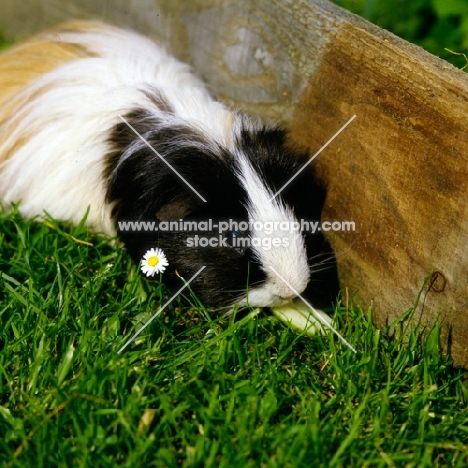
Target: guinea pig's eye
[
  {"x": 237, "y": 239},
  {"x": 232, "y": 237}
]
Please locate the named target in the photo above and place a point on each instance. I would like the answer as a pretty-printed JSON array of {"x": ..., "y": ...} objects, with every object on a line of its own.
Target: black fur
[{"x": 144, "y": 186}]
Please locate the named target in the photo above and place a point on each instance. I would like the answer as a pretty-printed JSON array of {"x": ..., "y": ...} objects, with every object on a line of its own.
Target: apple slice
[{"x": 299, "y": 316}]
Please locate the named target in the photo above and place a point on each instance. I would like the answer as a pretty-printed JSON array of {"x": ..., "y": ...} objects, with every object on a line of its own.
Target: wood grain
[{"x": 399, "y": 171}]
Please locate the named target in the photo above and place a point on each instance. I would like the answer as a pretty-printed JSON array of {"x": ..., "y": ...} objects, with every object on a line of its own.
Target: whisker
[
  {"x": 343, "y": 252},
  {"x": 327, "y": 263},
  {"x": 321, "y": 267},
  {"x": 318, "y": 270},
  {"x": 322, "y": 257}
]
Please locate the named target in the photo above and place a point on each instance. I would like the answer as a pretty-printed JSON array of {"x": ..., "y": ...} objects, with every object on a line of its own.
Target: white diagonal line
[
  {"x": 317, "y": 315},
  {"x": 160, "y": 310},
  {"x": 313, "y": 157},
  {"x": 162, "y": 159}
]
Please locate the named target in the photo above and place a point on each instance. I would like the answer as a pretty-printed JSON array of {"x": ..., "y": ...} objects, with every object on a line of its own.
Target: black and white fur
[{"x": 64, "y": 147}]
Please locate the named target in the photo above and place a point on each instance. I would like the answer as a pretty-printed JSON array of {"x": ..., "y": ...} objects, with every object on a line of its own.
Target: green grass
[
  {"x": 435, "y": 25},
  {"x": 201, "y": 391},
  {"x": 4, "y": 43}
]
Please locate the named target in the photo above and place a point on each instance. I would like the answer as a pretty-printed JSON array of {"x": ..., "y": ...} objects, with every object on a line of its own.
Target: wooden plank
[{"x": 399, "y": 171}]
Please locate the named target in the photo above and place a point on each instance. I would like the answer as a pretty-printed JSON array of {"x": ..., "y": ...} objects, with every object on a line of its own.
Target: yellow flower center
[{"x": 153, "y": 261}]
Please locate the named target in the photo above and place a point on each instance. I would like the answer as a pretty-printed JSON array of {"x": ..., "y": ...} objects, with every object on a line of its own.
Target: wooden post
[{"x": 399, "y": 171}]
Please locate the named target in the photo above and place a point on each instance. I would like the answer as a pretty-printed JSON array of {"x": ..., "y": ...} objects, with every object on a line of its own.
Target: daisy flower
[{"x": 154, "y": 262}]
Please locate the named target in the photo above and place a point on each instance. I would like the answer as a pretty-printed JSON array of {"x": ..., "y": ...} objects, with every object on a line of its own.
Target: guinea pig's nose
[
  {"x": 284, "y": 291},
  {"x": 287, "y": 286}
]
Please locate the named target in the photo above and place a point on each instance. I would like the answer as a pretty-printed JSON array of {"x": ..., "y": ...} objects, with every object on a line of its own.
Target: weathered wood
[{"x": 399, "y": 171}]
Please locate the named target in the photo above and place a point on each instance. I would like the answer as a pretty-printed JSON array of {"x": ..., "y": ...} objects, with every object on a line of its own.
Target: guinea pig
[{"x": 93, "y": 117}]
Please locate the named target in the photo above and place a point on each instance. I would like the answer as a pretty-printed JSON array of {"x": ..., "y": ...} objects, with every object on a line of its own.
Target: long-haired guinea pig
[{"x": 92, "y": 116}]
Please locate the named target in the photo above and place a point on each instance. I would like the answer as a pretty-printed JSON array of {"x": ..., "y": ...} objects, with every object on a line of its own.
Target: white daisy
[{"x": 154, "y": 262}]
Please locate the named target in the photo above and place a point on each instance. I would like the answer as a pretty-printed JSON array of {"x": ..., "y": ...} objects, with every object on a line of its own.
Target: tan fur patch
[{"x": 25, "y": 62}]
